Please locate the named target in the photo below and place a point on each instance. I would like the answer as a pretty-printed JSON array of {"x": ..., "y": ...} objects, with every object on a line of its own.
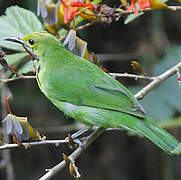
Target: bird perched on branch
[{"x": 86, "y": 93}]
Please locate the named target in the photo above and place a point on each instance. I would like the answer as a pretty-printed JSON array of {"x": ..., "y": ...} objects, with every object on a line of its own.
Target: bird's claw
[
  {"x": 74, "y": 142},
  {"x": 79, "y": 143},
  {"x": 73, "y": 139}
]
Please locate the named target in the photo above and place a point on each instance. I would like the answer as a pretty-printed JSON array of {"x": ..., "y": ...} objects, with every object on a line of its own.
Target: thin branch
[
  {"x": 126, "y": 75},
  {"x": 51, "y": 172},
  {"x": 132, "y": 76},
  {"x": 158, "y": 80},
  {"x": 6, "y": 155},
  {"x": 85, "y": 25},
  {"x": 174, "y": 8},
  {"x": 29, "y": 144},
  {"x": 17, "y": 78},
  {"x": 169, "y": 124}
]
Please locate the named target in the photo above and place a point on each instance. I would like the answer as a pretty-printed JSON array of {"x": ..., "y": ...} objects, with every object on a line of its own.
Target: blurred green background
[{"x": 154, "y": 40}]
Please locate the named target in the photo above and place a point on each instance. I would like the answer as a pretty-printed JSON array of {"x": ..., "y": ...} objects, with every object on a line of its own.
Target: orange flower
[
  {"x": 143, "y": 4},
  {"x": 81, "y": 4},
  {"x": 69, "y": 10},
  {"x": 71, "y": 7}
]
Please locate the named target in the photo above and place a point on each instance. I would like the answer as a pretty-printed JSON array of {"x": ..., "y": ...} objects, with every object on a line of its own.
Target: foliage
[
  {"x": 17, "y": 22},
  {"x": 15, "y": 59}
]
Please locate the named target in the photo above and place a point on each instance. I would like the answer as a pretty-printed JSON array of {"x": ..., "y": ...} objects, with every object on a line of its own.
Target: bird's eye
[{"x": 31, "y": 42}]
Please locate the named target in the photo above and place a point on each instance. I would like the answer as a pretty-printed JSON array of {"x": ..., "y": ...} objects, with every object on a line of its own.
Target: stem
[
  {"x": 29, "y": 144},
  {"x": 17, "y": 78},
  {"x": 6, "y": 156},
  {"x": 126, "y": 75},
  {"x": 158, "y": 80},
  {"x": 8, "y": 106},
  {"x": 51, "y": 172}
]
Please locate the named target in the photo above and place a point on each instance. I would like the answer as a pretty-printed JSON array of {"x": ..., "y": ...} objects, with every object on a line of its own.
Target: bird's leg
[
  {"x": 80, "y": 132},
  {"x": 74, "y": 137}
]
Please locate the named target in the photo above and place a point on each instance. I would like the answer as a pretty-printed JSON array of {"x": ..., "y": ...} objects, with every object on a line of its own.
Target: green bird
[{"x": 86, "y": 93}]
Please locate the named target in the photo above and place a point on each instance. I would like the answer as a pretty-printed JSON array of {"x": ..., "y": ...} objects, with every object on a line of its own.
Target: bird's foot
[
  {"x": 74, "y": 140},
  {"x": 80, "y": 132},
  {"x": 79, "y": 142}
]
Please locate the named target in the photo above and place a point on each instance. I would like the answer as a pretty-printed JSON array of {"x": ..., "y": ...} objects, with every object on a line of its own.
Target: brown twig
[
  {"x": 17, "y": 78},
  {"x": 6, "y": 156},
  {"x": 29, "y": 144},
  {"x": 174, "y": 8},
  {"x": 158, "y": 80},
  {"x": 126, "y": 75},
  {"x": 51, "y": 172},
  {"x": 85, "y": 26}
]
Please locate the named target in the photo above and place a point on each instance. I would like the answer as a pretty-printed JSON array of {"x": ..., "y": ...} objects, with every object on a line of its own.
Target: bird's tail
[{"x": 156, "y": 134}]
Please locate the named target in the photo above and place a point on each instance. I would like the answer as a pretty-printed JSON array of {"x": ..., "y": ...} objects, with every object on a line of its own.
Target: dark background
[{"x": 115, "y": 155}]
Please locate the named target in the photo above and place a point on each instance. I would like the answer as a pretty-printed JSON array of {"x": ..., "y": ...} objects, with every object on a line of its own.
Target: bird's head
[{"x": 35, "y": 43}]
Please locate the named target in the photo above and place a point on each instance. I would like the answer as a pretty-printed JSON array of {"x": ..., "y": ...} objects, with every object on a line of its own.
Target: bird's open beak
[
  {"x": 16, "y": 40},
  {"x": 26, "y": 47}
]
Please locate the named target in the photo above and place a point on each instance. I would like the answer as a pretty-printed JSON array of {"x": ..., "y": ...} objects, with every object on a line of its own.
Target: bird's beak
[
  {"x": 26, "y": 47},
  {"x": 16, "y": 40}
]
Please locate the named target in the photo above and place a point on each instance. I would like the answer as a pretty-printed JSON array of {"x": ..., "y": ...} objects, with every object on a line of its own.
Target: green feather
[{"x": 83, "y": 91}]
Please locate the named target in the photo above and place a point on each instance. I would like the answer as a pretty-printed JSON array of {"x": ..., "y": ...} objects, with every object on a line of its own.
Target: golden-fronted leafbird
[{"x": 86, "y": 93}]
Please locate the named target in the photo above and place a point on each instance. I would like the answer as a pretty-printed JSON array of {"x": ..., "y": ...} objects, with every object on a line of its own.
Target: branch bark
[
  {"x": 51, "y": 172},
  {"x": 6, "y": 156},
  {"x": 126, "y": 75},
  {"x": 29, "y": 144},
  {"x": 158, "y": 80},
  {"x": 17, "y": 78}
]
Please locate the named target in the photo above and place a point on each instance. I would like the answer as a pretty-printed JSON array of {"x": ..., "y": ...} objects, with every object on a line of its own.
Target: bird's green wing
[{"x": 82, "y": 83}]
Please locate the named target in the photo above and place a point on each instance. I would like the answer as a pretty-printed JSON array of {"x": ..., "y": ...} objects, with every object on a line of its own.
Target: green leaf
[
  {"x": 14, "y": 58},
  {"x": 17, "y": 22},
  {"x": 96, "y": 1}
]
